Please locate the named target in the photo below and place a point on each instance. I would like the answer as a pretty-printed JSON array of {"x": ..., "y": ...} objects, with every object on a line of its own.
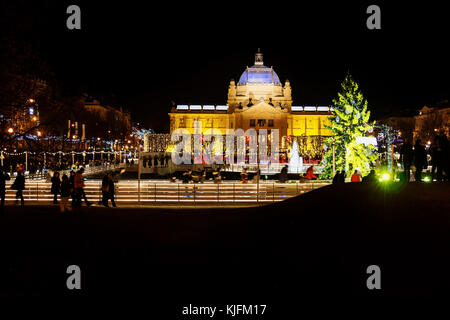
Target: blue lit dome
[{"x": 259, "y": 73}]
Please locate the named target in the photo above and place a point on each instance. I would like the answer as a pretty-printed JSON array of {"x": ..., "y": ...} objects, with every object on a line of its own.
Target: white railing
[{"x": 152, "y": 192}]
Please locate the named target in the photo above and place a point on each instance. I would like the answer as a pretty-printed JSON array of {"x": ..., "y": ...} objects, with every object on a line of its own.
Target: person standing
[
  {"x": 436, "y": 159},
  {"x": 65, "y": 193},
  {"x": 72, "y": 186},
  {"x": 342, "y": 177},
  {"x": 105, "y": 190},
  {"x": 19, "y": 186},
  {"x": 4, "y": 176},
  {"x": 56, "y": 185},
  {"x": 355, "y": 177},
  {"x": 244, "y": 176},
  {"x": 111, "y": 191},
  {"x": 371, "y": 177},
  {"x": 420, "y": 159},
  {"x": 337, "y": 177},
  {"x": 283, "y": 174},
  {"x": 406, "y": 158}
]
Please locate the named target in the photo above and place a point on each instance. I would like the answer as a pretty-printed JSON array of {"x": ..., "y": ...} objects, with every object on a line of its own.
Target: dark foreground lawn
[{"x": 313, "y": 247}]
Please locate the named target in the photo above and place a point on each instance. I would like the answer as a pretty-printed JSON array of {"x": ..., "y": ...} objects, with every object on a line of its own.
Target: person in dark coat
[
  {"x": 342, "y": 177},
  {"x": 19, "y": 186},
  {"x": 283, "y": 174},
  {"x": 187, "y": 176},
  {"x": 336, "y": 178},
  {"x": 406, "y": 158},
  {"x": 371, "y": 177},
  {"x": 65, "y": 192},
  {"x": 4, "y": 176},
  {"x": 437, "y": 159},
  {"x": 105, "y": 190},
  {"x": 56, "y": 185},
  {"x": 420, "y": 159},
  {"x": 72, "y": 186},
  {"x": 112, "y": 190}
]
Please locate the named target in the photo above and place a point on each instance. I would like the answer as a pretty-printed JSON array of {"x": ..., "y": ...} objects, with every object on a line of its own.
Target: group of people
[
  {"x": 417, "y": 156},
  {"x": 67, "y": 187},
  {"x": 73, "y": 187},
  {"x": 198, "y": 177},
  {"x": 339, "y": 177}
]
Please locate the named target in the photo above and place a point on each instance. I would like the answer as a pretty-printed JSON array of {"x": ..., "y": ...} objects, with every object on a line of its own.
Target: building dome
[{"x": 259, "y": 73}]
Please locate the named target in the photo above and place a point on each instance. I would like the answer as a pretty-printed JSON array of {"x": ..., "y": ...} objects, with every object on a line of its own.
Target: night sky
[{"x": 146, "y": 55}]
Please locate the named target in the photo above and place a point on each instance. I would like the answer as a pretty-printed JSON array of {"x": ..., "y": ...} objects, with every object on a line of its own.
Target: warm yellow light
[
  {"x": 399, "y": 133},
  {"x": 39, "y": 133},
  {"x": 428, "y": 142},
  {"x": 10, "y": 130},
  {"x": 74, "y": 137},
  {"x": 34, "y": 118},
  {"x": 98, "y": 138},
  {"x": 31, "y": 100}
]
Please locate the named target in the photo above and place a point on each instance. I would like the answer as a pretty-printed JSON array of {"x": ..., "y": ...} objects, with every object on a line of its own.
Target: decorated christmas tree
[{"x": 349, "y": 120}]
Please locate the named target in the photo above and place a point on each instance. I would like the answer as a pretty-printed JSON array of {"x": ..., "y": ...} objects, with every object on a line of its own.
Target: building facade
[{"x": 258, "y": 100}]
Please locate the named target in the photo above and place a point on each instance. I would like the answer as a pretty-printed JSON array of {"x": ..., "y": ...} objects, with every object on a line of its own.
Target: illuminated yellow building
[{"x": 258, "y": 100}]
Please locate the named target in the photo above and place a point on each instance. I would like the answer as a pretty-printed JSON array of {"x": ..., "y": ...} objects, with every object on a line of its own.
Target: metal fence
[{"x": 153, "y": 192}]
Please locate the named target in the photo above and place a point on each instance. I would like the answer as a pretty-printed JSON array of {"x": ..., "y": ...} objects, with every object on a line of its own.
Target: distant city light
[{"x": 10, "y": 130}]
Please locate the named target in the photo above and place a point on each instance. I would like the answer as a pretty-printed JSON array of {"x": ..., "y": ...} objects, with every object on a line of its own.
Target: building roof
[{"x": 259, "y": 73}]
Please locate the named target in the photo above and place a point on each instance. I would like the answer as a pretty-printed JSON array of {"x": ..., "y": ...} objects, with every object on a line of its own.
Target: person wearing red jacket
[
  {"x": 310, "y": 174},
  {"x": 355, "y": 177}
]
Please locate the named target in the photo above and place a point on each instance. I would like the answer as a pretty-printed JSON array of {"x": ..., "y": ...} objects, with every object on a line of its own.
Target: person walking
[
  {"x": 4, "y": 176},
  {"x": 420, "y": 159},
  {"x": 355, "y": 177},
  {"x": 56, "y": 185},
  {"x": 19, "y": 186},
  {"x": 79, "y": 187},
  {"x": 65, "y": 193}
]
